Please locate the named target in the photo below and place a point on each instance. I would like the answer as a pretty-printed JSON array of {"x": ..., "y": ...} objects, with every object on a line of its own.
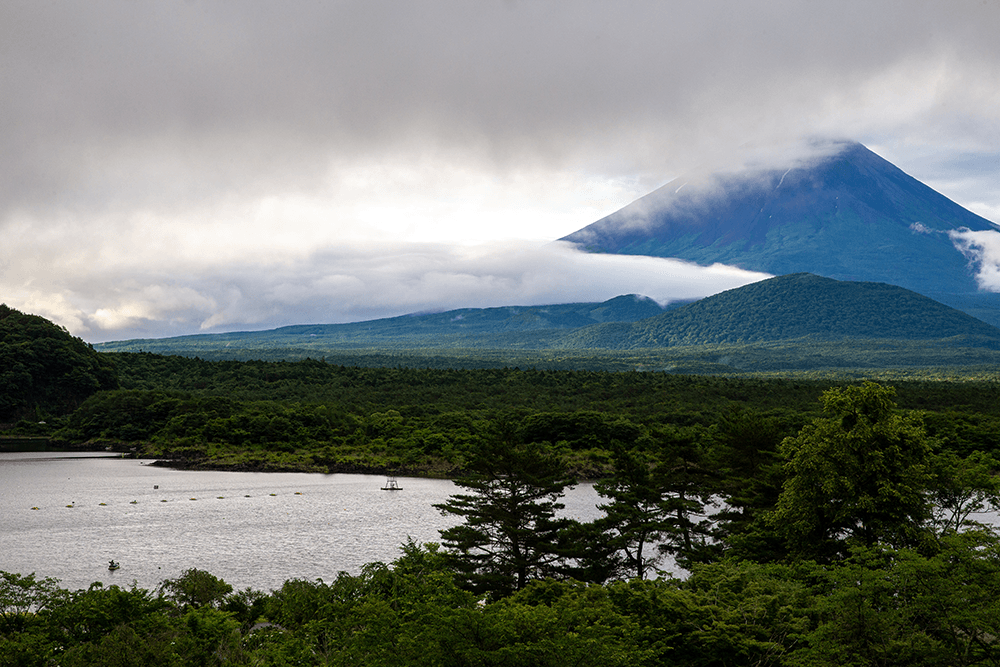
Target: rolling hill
[
  {"x": 526, "y": 327},
  {"x": 795, "y": 307},
  {"x": 793, "y": 322}
]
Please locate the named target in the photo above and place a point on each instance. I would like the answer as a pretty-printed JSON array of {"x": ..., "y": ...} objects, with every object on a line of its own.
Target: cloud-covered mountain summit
[{"x": 847, "y": 214}]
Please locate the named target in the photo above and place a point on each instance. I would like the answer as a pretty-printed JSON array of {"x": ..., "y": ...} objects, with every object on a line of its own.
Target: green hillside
[
  {"x": 794, "y": 307},
  {"x": 509, "y": 327},
  {"x": 43, "y": 369},
  {"x": 795, "y": 323}
]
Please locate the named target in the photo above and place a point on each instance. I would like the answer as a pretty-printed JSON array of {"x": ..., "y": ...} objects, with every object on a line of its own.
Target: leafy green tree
[
  {"x": 85, "y": 616},
  {"x": 21, "y": 596},
  {"x": 510, "y": 531},
  {"x": 860, "y": 474},
  {"x": 197, "y": 588},
  {"x": 884, "y": 606},
  {"x": 963, "y": 487},
  {"x": 548, "y": 623},
  {"x": 745, "y": 613}
]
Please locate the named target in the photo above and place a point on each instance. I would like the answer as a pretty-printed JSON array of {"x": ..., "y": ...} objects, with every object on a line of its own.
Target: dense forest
[
  {"x": 45, "y": 370},
  {"x": 315, "y": 416},
  {"x": 820, "y": 521},
  {"x": 853, "y": 542}
]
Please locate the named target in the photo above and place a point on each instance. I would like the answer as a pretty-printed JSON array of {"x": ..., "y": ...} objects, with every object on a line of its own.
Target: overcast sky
[{"x": 178, "y": 167}]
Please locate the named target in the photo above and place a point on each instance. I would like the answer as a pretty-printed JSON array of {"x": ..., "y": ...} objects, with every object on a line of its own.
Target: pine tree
[{"x": 511, "y": 532}]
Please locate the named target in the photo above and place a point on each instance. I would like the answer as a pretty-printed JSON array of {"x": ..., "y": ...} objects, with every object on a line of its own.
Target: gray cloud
[
  {"x": 258, "y": 92},
  {"x": 158, "y": 155}
]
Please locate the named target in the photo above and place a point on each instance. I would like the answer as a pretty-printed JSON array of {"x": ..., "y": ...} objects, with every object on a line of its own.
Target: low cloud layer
[
  {"x": 217, "y": 165},
  {"x": 983, "y": 251},
  {"x": 354, "y": 283}
]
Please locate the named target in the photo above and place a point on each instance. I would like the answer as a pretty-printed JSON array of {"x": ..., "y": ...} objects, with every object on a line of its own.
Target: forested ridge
[
  {"x": 773, "y": 324},
  {"x": 45, "y": 370},
  {"x": 793, "y": 307},
  {"x": 820, "y": 521}
]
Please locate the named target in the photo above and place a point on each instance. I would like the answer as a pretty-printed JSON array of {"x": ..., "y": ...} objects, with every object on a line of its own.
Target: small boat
[
  {"x": 392, "y": 485},
  {"x": 113, "y": 565}
]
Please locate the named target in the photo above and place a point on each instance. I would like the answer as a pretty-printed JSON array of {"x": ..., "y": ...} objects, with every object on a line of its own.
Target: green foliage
[
  {"x": 196, "y": 588},
  {"x": 745, "y": 458},
  {"x": 963, "y": 488},
  {"x": 634, "y": 514},
  {"x": 21, "y": 596},
  {"x": 510, "y": 530},
  {"x": 859, "y": 474},
  {"x": 889, "y": 607},
  {"x": 44, "y": 370},
  {"x": 878, "y": 606}
]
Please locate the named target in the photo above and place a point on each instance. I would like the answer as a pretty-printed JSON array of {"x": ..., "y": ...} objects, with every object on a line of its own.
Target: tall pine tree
[{"x": 510, "y": 533}]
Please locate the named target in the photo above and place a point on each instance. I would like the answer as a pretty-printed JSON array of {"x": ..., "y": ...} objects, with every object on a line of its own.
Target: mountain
[
  {"x": 508, "y": 326},
  {"x": 850, "y": 215},
  {"x": 795, "y": 307},
  {"x": 787, "y": 323}
]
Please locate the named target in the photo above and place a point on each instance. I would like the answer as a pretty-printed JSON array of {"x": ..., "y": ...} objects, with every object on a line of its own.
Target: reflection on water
[{"x": 251, "y": 529}]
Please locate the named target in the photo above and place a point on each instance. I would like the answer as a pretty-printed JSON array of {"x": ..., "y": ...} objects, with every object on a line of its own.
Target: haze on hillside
[{"x": 227, "y": 166}]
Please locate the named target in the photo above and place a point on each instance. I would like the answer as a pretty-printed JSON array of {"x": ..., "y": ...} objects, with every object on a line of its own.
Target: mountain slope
[
  {"x": 791, "y": 322},
  {"x": 44, "y": 370},
  {"x": 849, "y": 216},
  {"x": 794, "y": 307},
  {"x": 508, "y": 326}
]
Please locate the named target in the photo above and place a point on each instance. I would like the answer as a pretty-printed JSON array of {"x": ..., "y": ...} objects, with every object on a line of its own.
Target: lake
[{"x": 251, "y": 529}]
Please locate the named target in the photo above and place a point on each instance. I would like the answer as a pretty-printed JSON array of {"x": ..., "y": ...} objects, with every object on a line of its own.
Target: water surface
[{"x": 251, "y": 529}]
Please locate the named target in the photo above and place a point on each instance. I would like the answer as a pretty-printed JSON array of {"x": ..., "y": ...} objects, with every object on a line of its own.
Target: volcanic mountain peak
[{"x": 848, "y": 214}]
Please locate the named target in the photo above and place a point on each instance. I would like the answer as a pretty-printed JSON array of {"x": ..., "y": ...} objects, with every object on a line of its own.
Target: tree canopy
[
  {"x": 44, "y": 370},
  {"x": 862, "y": 473},
  {"x": 510, "y": 533}
]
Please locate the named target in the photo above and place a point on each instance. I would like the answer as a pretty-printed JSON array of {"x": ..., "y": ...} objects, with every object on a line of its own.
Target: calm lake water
[{"x": 251, "y": 529}]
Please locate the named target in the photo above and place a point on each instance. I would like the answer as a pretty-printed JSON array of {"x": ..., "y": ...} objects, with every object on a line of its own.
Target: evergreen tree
[
  {"x": 510, "y": 533},
  {"x": 687, "y": 486},
  {"x": 634, "y": 516}
]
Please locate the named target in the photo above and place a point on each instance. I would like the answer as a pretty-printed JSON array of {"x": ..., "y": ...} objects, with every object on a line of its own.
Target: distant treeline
[{"x": 311, "y": 415}]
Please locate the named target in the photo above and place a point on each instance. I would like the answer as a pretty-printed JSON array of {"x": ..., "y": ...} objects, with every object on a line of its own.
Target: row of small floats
[
  {"x": 391, "y": 484},
  {"x": 164, "y": 500}
]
